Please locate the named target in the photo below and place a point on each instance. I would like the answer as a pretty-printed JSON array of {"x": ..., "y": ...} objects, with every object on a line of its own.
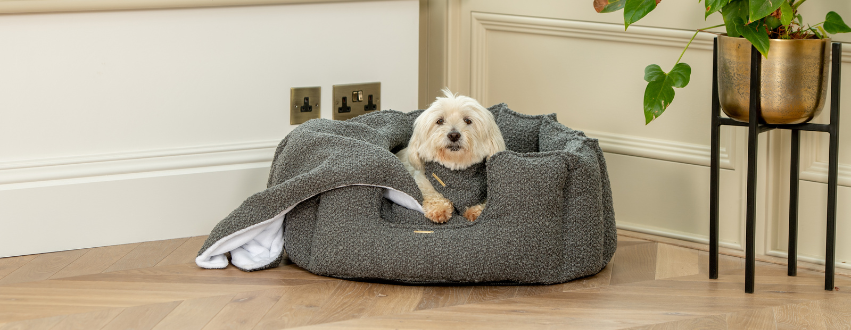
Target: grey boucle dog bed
[{"x": 339, "y": 203}]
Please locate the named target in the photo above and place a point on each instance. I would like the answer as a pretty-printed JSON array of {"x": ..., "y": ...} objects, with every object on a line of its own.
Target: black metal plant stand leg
[{"x": 755, "y": 126}]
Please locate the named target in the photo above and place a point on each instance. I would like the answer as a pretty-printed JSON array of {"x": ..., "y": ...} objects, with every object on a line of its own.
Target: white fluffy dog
[{"x": 457, "y": 132}]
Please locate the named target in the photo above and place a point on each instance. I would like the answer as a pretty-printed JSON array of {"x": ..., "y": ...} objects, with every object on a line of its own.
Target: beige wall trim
[
  {"x": 439, "y": 35},
  {"x": 66, "y": 170},
  {"x": 422, "y": 72},
  {"x": 817, "y": 172},
  {"x": 664, "y": 232},
  {"x": 483, "y": 22},
  {"x": 47, "y": 6},
  {"x": 674, "y": 151},
  {"x": 817, "y": 261}
]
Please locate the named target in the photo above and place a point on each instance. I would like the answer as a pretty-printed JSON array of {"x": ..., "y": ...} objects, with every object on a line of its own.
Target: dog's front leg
[
  {"x": 436, "y": 207},
  {"x": 473, "y": 212}
]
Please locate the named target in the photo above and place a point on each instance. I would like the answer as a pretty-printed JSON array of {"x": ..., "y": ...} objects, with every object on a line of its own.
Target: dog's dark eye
[
  {"x": 468, "y": 121},
  {"x": 440, "y": 121}
]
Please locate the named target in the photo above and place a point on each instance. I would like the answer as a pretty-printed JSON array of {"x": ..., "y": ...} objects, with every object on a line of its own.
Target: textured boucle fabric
[
  {"x": 464, "y": 188},
  {"x": 549, "y": 215}
]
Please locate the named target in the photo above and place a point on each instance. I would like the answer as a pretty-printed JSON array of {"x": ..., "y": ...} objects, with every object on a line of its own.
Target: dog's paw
[
  {"x": 438, "y": 209},
  {"x": 473, "y": 212}
]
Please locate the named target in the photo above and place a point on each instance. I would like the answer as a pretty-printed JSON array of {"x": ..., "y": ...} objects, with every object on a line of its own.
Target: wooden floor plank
[
  {"x": 96, "y": 298},
  {"x": 297, "y": 306},
  {"x": 597, "y": 280},
  {"x": 806, "y": 315},
  {"x": 134, "y": 288},
  {"x": 647, "y": 285},
  {"x": 675, "y": 261},
  {"x": 754, "y": 319},
  {"x": 147, "y": 254},
  {"x": 284, "y": 272},
  {"x": 837, "y": 312},
  {"x": 11, "y": 264},
  {"x": 443, "y": 296},
  {"x": 506, "y": 318},
  {"x": 194, "y": 313},
  {"x": 713, "y": 322},
  {"x": 95, "y": 260},
  {"x": 42, "y": 267},
  {"x": 350, "y": 300},
  {"x": 394, "y": 299},
  {"x": 34, "y": 324},
  {"x": 91, "y": 320},
  {"x": 736, "y": 253},
  {"x": 185, "y": 253},
  {"x": 245, "y": 310},
  {"x": 11, "y": 312},
  {"x": 601, "y": 279},
  {"x": 143, "y": 317},
  {"x": 634, "y": 263},
  {"x": 247, "y": 279},
  {"x": 488, "y": 293}
]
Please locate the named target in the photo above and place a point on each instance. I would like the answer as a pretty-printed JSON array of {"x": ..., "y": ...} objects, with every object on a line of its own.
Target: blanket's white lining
[{"x": 259, "y": 245}]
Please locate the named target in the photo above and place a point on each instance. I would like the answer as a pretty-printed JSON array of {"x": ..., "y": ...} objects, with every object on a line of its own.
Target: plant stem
[
  {"x": 692, "y": 39},
  {"x": 795, "y": 6},
  {"x": 711, "y": 27}
]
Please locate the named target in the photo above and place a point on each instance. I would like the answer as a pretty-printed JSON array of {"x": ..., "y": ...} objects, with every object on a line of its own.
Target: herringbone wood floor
[{"x": 647, "y": 285}]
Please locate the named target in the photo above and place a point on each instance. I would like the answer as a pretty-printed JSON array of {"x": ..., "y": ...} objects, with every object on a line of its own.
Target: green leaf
[
  {"x": 772, "y": 22},
  {"x": 786, "y": 14},
  {"x": 815, "y": 31},
  {"x": 653, "y": 72},
  {"x": 634, "y": 10},
  {"x": 660, "y": 88},
  {"x": 833, "y": 24},
  {"x": 735, "y": 9},
  {"x": 680, "y": 75},
  {"x": 823, "y": 32},
  {"x": 762, "y": 8},
  {"x": 608, "y": 6},
  {"x": 755, "y": 33},
  {"x": 714, "y": 5}
]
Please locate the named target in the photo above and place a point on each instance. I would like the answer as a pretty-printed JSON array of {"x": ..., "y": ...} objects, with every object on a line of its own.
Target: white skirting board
[{"x": 125, "y": 209}]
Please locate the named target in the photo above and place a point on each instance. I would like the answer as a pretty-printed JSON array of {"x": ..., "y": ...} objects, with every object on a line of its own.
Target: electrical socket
[
  {"x": 352, "y": 100},
  {"x": 304, "y": 104}
]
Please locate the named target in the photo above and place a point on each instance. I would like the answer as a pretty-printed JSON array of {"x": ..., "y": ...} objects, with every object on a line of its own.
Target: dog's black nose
[{"x": 453, "y": 136}]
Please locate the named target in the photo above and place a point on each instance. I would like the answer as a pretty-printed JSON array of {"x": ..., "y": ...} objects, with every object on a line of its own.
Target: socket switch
[
  {"x": 353, "y": 100},
  {"x": 304, "y": 104}
]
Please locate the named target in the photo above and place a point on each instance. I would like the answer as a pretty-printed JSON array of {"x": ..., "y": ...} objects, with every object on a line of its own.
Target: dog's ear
[
  {"x": 418, "y": 138},
  {"x": 494, "y": 141}
]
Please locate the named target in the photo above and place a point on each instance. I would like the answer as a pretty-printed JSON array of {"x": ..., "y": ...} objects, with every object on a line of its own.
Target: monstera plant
[{"x": 758, "y": 21}]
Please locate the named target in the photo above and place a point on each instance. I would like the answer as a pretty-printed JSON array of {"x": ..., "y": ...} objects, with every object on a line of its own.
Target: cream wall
[
  {"x": 550, "y": 56},
  {"x": 129, "y": 126}
]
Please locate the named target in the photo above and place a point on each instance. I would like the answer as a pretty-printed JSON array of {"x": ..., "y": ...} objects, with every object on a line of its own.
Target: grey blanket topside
[{"x": 549, "y": 215}]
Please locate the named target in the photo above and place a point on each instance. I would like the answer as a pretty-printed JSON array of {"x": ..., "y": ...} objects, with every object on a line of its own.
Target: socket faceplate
[
  {"x": 304, "y": 104},
  {"x": 352, "y": 100}
]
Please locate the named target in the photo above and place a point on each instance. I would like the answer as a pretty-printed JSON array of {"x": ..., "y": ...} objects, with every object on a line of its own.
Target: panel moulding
[
  {"x": 674, "y": 151},
  {"x": 667, "y": 150},
  {"x": 48, "y": 6},
  {"x": 118, "y": 166}
]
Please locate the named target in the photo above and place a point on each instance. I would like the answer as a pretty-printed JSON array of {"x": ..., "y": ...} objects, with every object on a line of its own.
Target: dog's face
[{"x": 455, "y": 131}]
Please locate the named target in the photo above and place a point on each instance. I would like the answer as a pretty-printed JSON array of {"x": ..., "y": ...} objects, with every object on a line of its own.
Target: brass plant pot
[{"x": 794, "y": 79}]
